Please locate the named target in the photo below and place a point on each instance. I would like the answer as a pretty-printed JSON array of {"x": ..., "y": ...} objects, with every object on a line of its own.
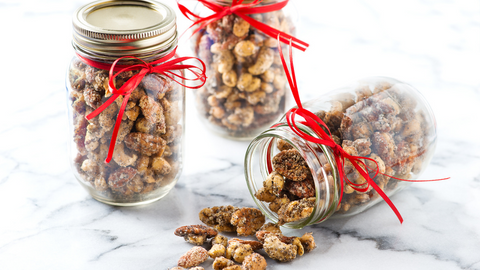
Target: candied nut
[
  {"x": 219, "y": 217},
  {"x": 383, "y": 145},
  {"x": 120, "y": 177},
  {"x": 255, "y": 245},
  {"x": 161, "y": 166},
  {"x": 142, "y": 164},
  {"x": 195, "y": 234},
  {"x": 244, "y": 81},
  {"x": 223, "y": 91},
  {"x": 242, "y": 116},
  {"x": 143, "y": 125},
  {"x": 220, "y": 239},
  {"x": 144, "y": 143},
  {"x": 308, "y": 242},
  {"x": 363, "y": 146},
  {"x": 291, "y": 164},
  {"x": 225, "y": 60},
  {"x": 247, "y": 220},
  {"x": 411, "y": 128},
  {"x": 274, "y": 183},
  {"x": 233, "y": 267},
  {"x": 380, "y": 163},
  {"x": 238, "y": 251},
  {"x": 133, "y": 113},
  {"x": 278, "y": 250},
  {"x": 271, "y": 227},
  {"x": 125, "y": 128},
  {"x": 240, "y": 27},
  {"x": 221, "y": 263},
  {"x": 266, "y": 87},
  {"x": 296, "y": 242},
  {"x": 279, "y": 81},
  {"x": 256, "y": 97},
  {"x": 193, "y": 257},
  {"x": 93, "y": 98},
  {"x": 254, "y": 261},
  {"x": 172, "y": 133},
  {"x": 100, "y": 183},
  {"x": 136, "y": 184},
  {"x": 217, "y": 112},
  {"x": 152, "y": 111},
  {"x": 244, "y": 48},
  {"x": 123, "y": 159},
  {"x": 278, "y": 203},
  {"x": 264, "y": 61},
  {"x": 296, "y": 210},
  {"x": 217, "y": 250},
  {"x": 254, "y": 85},
  {"x": 283, "y": 145},
  {"x": 264, "y": 195},
  {"x": 156, "y": 84},
  {"x": 106, "y": 118},
  {"x": 301, "y": 189},
  {"x": 230, "y": 78}
]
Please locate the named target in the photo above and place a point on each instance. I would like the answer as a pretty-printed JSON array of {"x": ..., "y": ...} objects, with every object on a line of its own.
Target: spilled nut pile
[{"x": 226, "y": 253}]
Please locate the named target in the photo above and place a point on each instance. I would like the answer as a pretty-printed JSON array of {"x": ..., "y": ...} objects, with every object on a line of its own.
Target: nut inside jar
[
  {"x": 148, "y": 152},
  {"x": 245, "y": 91}
]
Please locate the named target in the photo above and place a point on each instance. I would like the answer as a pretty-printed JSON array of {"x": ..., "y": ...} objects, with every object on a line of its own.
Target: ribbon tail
[{"x": 118, "y": 123}]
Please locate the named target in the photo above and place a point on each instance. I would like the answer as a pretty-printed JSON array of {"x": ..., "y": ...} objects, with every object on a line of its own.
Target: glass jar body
[
  {"x": 380, "y": 118},
  {"x": 245, "y": 90},
  {"x": 148, "y": 155}
]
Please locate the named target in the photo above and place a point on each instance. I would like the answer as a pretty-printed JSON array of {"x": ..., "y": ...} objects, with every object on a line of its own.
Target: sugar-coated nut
[
  {"x": 221, "y": 263},
  {"x": 247, "y": 220},
  {"x": 193, "y": 257},
  {"x": 240, "y": 27},
  {"x": 217, "y": 112},
  {"x": 123, "y": 159},
  {"x": 244, "y": 48},
  {"x": 264, "y": 61},
  {"x": 278, "y": 250},
  {"x": 100, "y": 184},
  {"x": 121, "y": 176},
  {"x": 219, "y": 217},
  {"x": 220, "y": 239},
  {"x": 274, "y": 183},
  {"x": 255, "y": 245},
  {"x": 161, "y": 166},
  {"x": 266, "y": 87},
  {"x": 225, "y": 61},
  {"x": 308, "y": 242},
  {"x": 301, "y": 189},
  {"x": 230, "y": 78},
  {"x": 244, "y": 80},
  {"x": 136, "y": 184},
  {"x": 254, "y": 85},
  {"x": 264, "y": 195},
  {"x": 271, "y": 227},
  {"x": 143, "y": 125},
  {"x": 145, "y": 143},
  {"x": 233, "y": 267},
  {"x": 278, "y": 203},
  {"x": 238, "y": 251},
  {"x": 291, "y": 164},
  {"x": 296, "y": 210},
  {"x": 254, "y": 261},
  {"x": 152, "y": 111},
  {"x": 296, "y": 242},
  {"x": 217, "y": 250},
  {"x": 195, "y": 234}
]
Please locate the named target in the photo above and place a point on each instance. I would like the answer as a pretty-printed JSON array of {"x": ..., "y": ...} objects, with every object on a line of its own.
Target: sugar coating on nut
[
  {"x": 193, "y": 257},
  {"x": 278, "y": 250},
  {"x": 221, "y": 263},
  {"x": 247, "y": 220},
  {"x": 296, "y": 210},
  {"x": 219, "y": 217},
  {"x": 238, "y": 251},
  {"x": 196, "y": 234},
  {"x": 254, "y": 261},
  {"x": 291, "y": 164}
]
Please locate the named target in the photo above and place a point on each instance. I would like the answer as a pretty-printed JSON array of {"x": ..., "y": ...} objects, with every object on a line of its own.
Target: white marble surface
[{"x": 47, "y": 221}]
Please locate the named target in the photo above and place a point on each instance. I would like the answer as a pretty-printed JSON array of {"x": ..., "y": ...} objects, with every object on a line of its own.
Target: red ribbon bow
[
  {"x": 318, "y": 126},
  {"x": 161, "y": 66},
  {"x": 242, "y": 10}
]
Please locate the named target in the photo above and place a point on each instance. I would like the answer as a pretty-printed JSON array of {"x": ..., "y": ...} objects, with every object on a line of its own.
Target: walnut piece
[
  {"x": 278, "y": 250},
  {"x": 196, "y": 234},
  {"x": 290, "y": 164},
  {"x": 247, "y": 220},
  {"x": 219, "y": 217}
]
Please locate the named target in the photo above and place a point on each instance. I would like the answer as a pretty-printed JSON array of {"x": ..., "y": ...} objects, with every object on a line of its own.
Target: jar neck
[
  {"x": 319, "y": 159},
  {"x": 109, "y": 58}
]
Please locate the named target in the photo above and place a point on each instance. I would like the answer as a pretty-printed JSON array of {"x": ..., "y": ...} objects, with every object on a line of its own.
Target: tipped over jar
[
  {"x": 246, "y": 85},
  {"x": 148, "y": 148},
  {"x": 297, "y": 183}
]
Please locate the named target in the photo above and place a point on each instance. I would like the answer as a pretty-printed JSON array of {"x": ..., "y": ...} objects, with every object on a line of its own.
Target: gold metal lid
[{"x": 119, "y": 28}]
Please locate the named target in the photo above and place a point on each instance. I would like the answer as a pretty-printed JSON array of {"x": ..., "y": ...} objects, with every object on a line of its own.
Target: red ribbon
[
  {"x": 163, "y": 66},
  {"x": 242, "y": 10},
  {"x": 316, "y": 124}
]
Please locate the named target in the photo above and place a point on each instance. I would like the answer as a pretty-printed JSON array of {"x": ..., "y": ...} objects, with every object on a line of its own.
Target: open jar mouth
[{"x": 258, "y": 165}]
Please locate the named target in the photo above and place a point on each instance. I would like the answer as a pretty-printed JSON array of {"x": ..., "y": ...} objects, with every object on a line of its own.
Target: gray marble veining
[{"x": 49, "y": 222}]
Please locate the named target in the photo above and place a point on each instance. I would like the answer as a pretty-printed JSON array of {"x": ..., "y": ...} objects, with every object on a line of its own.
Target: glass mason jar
[
  {"x": 245, "y": 90},
  {"x": 148, "y": 153},
  {"x": 380, "y": 118}
]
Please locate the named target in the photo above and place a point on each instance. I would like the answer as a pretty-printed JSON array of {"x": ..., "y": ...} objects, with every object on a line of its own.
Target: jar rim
[{"x": 321, "y": 210}]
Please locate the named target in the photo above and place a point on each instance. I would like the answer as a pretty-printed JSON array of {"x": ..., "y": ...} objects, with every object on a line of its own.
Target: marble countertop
[{"x": 48, "y": 221}]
